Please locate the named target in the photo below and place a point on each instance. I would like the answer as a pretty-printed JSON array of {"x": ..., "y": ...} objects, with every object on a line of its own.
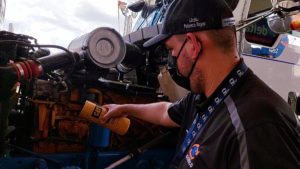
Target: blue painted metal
[
  {"x": 152, "y": 159},
  {"x": 99, "y": 136},
  {"x": 156, "y": 159}
]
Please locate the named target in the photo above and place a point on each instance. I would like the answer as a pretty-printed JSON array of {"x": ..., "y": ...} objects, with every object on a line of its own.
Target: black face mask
[
  {"x": 173, "y": 70},
  {"x": 176, "y": 76}
]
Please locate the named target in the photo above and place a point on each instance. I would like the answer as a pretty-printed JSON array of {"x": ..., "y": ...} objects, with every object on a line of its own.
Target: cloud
[
  {"x": 58, "y": 22},
  {"x": 90, "y": 13}
]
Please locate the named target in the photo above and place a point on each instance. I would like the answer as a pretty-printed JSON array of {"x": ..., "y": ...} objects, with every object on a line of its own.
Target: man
[{"x": 231, "y": 119}]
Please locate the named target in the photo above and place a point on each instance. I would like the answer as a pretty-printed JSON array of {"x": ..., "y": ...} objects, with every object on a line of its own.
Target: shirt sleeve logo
[
  {"x": 192, "y": 154},
  {"x": 194, "y": 151}
]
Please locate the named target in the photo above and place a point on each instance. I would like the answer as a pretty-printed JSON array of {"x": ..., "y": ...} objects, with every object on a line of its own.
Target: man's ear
[{"x": 196, "y": 44}]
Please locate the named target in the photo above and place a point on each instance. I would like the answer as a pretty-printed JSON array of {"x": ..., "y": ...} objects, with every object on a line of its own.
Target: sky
[{"x": 58, "y": 22}]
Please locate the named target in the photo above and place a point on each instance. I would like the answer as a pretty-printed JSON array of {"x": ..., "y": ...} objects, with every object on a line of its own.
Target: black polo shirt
[{"x": 253, "y": 128}]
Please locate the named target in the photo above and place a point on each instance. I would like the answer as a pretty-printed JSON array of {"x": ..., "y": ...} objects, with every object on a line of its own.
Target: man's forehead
[
  {"x": 174, "y": 39},
  {"x": 168, "y": 43}
]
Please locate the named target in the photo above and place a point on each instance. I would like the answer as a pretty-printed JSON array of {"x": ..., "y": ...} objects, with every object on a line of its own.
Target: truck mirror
[
  {"x": 281, "y": 21},
  {"x": 260, "y": 33},
  {"x": 136, "y": 6},
  {"x": 279, "y": 25}
]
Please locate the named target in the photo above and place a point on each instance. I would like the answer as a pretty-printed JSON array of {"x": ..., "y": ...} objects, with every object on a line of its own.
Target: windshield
[{"x": 150, "y": 15}]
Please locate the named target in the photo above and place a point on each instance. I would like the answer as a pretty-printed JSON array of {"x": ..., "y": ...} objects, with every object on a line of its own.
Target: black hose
[{"x": 140, "y": 150}]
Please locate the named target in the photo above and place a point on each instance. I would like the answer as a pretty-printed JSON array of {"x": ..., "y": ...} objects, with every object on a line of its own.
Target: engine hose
[
  {"x": 24, "y": 70},
  {"x": 99, "y": 94},
  {"x": 140, "y": 150},
  {"x": 30, "y": 69}
]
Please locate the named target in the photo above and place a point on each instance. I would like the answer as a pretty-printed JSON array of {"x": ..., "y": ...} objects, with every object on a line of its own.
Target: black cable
[
  {"x": 40, "y": 46},
  {"x": 292, "y": 9},
  {"x": 140, "y": 150}
]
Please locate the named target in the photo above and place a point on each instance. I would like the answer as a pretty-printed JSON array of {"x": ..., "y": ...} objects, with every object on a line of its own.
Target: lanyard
[{"x": 199, "y": 122}]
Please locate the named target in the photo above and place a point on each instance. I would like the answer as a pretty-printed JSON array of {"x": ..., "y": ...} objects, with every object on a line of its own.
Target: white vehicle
[{"x": 273, "y": 57}]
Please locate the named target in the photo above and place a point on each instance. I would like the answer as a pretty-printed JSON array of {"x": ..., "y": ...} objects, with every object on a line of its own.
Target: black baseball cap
[{"x": 185, "y": 16}]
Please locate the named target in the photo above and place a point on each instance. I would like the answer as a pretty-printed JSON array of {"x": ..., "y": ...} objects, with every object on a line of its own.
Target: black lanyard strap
[{"x": 199, "y": 121}]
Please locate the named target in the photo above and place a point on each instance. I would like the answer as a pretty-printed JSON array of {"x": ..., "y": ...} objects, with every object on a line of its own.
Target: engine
[{"x": 43, "y": 93}]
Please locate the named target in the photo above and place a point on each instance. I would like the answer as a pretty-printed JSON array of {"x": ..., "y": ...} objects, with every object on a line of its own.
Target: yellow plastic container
[{"x": 94, "y": 113}]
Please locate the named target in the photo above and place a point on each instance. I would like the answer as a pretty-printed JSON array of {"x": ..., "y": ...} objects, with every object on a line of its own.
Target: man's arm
[{"x": 156, "y": 113}]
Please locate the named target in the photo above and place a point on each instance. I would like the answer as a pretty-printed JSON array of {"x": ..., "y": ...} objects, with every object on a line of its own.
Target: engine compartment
[{"x": 42, "y": 95}]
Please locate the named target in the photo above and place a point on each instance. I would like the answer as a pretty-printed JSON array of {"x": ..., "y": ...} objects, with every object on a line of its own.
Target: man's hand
[
  {"x": 156, "y": 113},
  {"x": 113, "y": 110}
]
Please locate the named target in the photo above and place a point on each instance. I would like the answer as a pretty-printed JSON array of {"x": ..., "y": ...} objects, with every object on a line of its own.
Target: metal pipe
[
  {"x": 139, "y": 150},
  {"x": 57, "y": 61}
]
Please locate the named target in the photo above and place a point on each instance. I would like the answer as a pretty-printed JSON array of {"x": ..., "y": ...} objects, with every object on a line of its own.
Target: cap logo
[
  {"x": 192, "y": 20},
  {"x": 194, "y": 25}
]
